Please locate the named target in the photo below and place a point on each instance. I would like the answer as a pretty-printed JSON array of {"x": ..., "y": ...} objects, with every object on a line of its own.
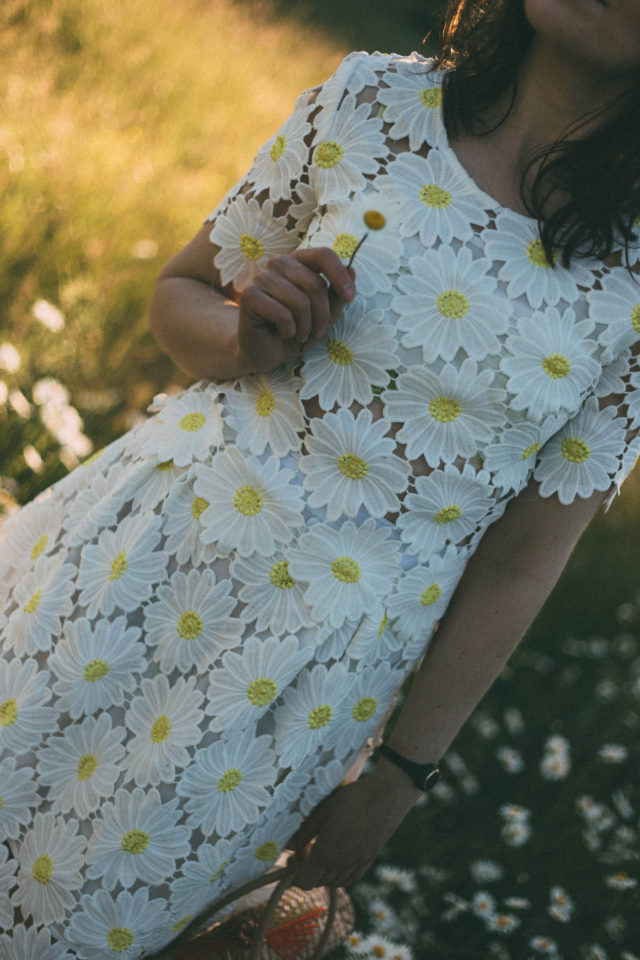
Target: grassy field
[{"x": 121, "y": 126}]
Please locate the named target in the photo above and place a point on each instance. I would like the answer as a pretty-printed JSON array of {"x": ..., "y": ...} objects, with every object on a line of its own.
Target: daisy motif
[
  {"x": 137, "y": 838},
  {"x": 331, "y": 643},
  {"x": 30, "y": 943},
  {"x": 308, "y": 718},
  {"x": 122, "y": 568},
  {"x": 43, "y": 598},
  {"x": 32, "y": 533},
  {"x": 282, "y": 158},
  {"x": 445, "y": 415},
  {"x": 613, "y": 375},
  {"x": 270, "y": 594},
  {"x": 357, "y": 71},
  {"x": 18, "y": 795},
  {"x": 365, "y": 706},
  {"x": 266, "y": 411},
  {"x": 148, "y": 482},
  {"x": 248, "y": 234},
  {"x": 188, "y": 428},
  {"x": 526, "y": 269},
  {"x": 125, "y": 926},
  {"x": 551, "y": 364},
  {"x": 204, "y": 879},
  {"x": 582, "y": 456},
  {"x": 450, "y": 306},
  {"x": 8, "y": 867},
  {"x": 352, "y": 359},
  {"x": 229, "y": 784},
  {"x": 633, "y": 401},
  {"x": 190, "y": 623},
  {"x": 95, "y": 506},
  {"x": 351, "y": 463},
  {"x": 183, "y": 509},
  {"x": 252, "y": 506},
  {"x": 374, "y": 639},
  {"x": 344, "y": 152},
  {"x": 288, "y": 791},
  {"x": 23, "y": 717},
  {"x": 268, "y": 840},
  {"x": 51, "y": 860},
  {"x": 422, "y": 596},
  {"x": 617, "y": 309},
  {"x": 436, "y": 198},
  {"x": 342, "y": 228},
  {"x": 164, "y": 722},
  {"x": 82, "y": 765},
  {"x": 512, "y": 458},
  {"x": 349, "y": 570},
  {"x": 96, "y": 666},
  {"x": 413, "y": 107},
  {"x": 243, "y": 689},
  {"x": 326, "y": 778}
]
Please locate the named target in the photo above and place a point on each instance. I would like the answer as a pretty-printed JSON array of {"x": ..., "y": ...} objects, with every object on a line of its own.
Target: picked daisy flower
[{"x": 377, "y": 214}]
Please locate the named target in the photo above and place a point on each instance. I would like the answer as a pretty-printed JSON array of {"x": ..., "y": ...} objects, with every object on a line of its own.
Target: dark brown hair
[{"x": 484, "y": 44}]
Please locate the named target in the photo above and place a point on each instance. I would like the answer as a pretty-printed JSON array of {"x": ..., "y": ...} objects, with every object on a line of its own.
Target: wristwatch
[{"x": 424, "y": 775}]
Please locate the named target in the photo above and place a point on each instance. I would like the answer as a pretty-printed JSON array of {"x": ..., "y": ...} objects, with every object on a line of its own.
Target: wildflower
[
  {"x": 381, "y": 948},
  {"x": 510, "y": 759},
  {"x": 395, "y": 877},
  {"x": 516, "y": 833},
  {"x": 607, "y": 689},
  {"x": 557, "y": 745},
  {"x": 356, "y": 943},
  {"x": 544, "y": 945},
  {"x": 596, "y": 952},
  {"x": 483, "y": 904},
  {"x": 485, "y": 725},
  {"x": 615, "y": 926},
  {"x": 517, "y": 903},
  {"x": 514, "y": 812},
  {"x": 613, "y": 753},
  {"x": 622, "y": 804},
  {"x": 458, "y": 906},
  {"x": 513, "y": 720},
  {"x": 503, "y": 922},
  {"x": 484, "y": 871},
  {"x": 381, "y": 914},
  {"x": 621, "y": 881},
  {"x": 554, "y": 767}
]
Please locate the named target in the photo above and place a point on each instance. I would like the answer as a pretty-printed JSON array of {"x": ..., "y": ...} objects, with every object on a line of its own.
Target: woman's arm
[
  {"x": 505, "y": 584},
  {"x": 215, "y": 333}
]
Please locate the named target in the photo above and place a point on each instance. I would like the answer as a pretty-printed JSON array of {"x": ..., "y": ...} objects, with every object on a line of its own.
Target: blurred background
[{"x": 121, "y": 127}]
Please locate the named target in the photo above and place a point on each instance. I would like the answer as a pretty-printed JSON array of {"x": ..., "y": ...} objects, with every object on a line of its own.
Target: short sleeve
[
  {"x": 268, "y": 212},
  {"x": 598, "y": 447}
]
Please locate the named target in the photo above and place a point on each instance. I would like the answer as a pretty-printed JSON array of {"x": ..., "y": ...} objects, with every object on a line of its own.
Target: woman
[{"x": 238, "y": 588}]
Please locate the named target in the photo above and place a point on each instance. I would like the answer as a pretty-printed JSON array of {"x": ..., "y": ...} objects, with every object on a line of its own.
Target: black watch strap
[{"x": 424, "y": 775}]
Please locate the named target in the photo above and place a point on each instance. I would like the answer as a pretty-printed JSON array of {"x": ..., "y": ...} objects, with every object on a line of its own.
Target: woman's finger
[
  {"x": 314, "y": 287},
  {"x": 279, "y": 280},
  {"x": 325, "y": 261}
]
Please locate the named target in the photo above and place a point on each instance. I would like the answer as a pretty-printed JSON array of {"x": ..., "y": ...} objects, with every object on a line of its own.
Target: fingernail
[
  {"x": 321, "y": 333},
  {"x": 349, "y": 292}
]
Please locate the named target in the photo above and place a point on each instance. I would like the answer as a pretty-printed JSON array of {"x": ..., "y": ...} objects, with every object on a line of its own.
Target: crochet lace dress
[{"x": 205, "y": 622}]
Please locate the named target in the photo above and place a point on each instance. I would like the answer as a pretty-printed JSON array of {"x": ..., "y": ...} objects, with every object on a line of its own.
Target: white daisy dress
[{"x": 203, "y": 624}]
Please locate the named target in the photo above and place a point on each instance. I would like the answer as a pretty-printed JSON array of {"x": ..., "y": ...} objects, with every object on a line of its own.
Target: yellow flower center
[
  {"x": 530, "y": 450},
  {"x": 229, "y": 780},
  {"x": 189, "y": 625},
  {"x": 120, "y": 939},
  {"x": 135, "y": 841},
  {"x": 448, "y": 514},
  {"x": 434, "y": 196},
  {"x": 352, "y": 466},
  {"x": 39, "y": 546},
  {"x": 43, "y": 869},
  {"x": 339, "y": 352},
  {"x": 32, "y": 605},
  {"x": 344, "y": 245},
  {"x": 452, "y": 304},
  {"x": 278, "y": 148},
  {"x": 280, "y": 576},
  {"x": 198, "y": 507},
  {"x": 262, "y": 691},
  {"x": 556, "y": 366},
  {"x": 320, "y": 716},
  {"x": 374, "y": 220},
  {"x": 179, "y": 924},
  {"x": 635, "y": 318},
  {"x": 192, "y": 422},
  {"x": 165, "y": 465},
  {"x": 432, "y": 593},
  {"x": 118, "y": 566},
  {"x": 383, "y": 625},
  {"x": 575, "y": 450},
  {"x": 161, "y": 729},
  {"x": 1, "y": 802},
  {"x": 87, "y": 766},
  {"x": 364, "y": 709},
  {"x": 247, "y": 501},
  {"x": 537, "y": 255},
  {"x": 267, "y": 851},
  {"x": 251, "y": 247},
  {"x": 444, "y": 409},
  {"x": 8, "y": 712},
  {"x": 265, "y": 403},
  {"x": 431, "y": 97},
  {"x": 96, "y": 670},
  {"x": 328, "y": 154},
  {"x": 346, "y": 570},
  {"x": 214, "y": 876},
  {"x": 379, "y": 951}
]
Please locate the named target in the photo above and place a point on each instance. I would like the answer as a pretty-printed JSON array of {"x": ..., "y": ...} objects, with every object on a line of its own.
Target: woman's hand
[
  {"x": 350, "y": 827},
  {"x": 289, "y": 306}
]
